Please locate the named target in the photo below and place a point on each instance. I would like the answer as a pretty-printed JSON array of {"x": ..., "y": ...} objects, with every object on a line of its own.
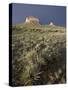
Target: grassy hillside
[{"x": 38, "y": 54}]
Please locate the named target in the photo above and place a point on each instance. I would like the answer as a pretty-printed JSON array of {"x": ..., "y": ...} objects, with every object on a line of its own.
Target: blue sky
[{"x": 45, "y": 13}]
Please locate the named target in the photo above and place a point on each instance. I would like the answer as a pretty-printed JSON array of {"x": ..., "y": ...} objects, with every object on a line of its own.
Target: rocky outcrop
[
  {"x": 51, "y": 24},
  {"x": 32, "y": 19}
]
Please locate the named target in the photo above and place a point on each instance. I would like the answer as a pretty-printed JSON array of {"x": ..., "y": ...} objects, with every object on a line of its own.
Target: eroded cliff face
[{"x": 31, "y": 19}]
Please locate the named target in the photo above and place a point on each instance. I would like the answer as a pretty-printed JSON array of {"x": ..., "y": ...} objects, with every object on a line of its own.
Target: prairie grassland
[{"x": 38, "y": 55}]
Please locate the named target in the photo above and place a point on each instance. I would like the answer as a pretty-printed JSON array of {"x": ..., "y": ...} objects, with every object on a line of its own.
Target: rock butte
[
  {"x": 51, "y": 24},
  {"x": 35, "y": 21},
  {"x": 31, "y": 19}
]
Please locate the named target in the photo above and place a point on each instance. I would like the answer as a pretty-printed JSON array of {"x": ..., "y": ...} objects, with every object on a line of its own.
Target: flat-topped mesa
[{"x": 31, "y": 19}]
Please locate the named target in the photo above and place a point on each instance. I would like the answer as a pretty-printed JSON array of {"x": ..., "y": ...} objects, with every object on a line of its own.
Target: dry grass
[{"x": 39, "y": 55}]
